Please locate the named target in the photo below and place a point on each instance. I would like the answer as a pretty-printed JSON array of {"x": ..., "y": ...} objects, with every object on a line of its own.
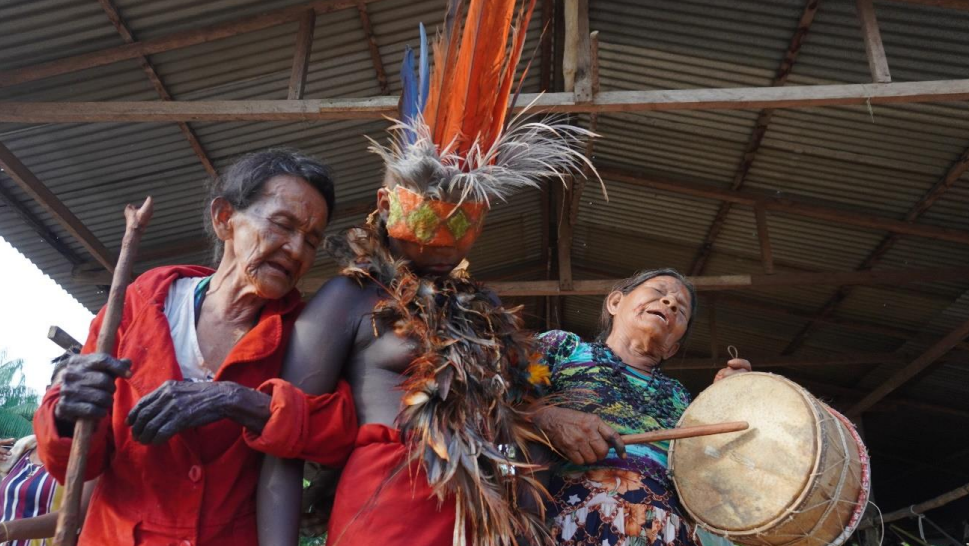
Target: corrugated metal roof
[{"x": 879, "y": 160}]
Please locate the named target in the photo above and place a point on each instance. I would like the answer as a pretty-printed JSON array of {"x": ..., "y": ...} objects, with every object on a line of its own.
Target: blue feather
[
  {"x": 408, "y": 96},
  {"x": 424, "y": 72}
]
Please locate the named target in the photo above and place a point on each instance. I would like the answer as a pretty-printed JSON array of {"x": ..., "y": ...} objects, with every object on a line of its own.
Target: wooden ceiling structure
[{"x": 882, "y": 370}]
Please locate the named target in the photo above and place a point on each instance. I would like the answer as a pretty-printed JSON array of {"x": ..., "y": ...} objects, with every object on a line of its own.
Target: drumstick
[
  {"x": 684, "y": 432},
  {"x": 69, "y": 515}
]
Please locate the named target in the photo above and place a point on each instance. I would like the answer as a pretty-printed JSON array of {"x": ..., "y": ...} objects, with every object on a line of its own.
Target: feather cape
[{"x": 462, "y": 392}]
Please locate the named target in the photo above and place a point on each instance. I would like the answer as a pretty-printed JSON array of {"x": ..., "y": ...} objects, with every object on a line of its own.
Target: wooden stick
[
  {"x": 920, "y": 508},
  {"x": 685, "y": 432},
  {"x": 69, "y": 515}
]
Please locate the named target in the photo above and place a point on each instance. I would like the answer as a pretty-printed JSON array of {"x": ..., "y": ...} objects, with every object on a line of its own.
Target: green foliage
[{"x": 18, "y": 402}]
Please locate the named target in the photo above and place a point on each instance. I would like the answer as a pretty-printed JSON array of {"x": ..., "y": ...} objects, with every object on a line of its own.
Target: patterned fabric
[
  {"x": 416, "y": 218},
  {"x": 615, "y": 501},
  {"x": 29, "y": 491}
]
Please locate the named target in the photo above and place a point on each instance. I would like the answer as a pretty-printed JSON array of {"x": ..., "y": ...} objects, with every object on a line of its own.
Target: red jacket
[{"x": 199, "y": 487}]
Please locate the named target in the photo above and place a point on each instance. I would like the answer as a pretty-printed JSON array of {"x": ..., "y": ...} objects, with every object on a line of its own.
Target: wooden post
[
  {"x": 301, "y": 55},
  {"x": 378, "y": 63},
  {"x": 766, "y": 254},
  {"x": 917, "y": 366},
  {"x": 874, "y": 49}
]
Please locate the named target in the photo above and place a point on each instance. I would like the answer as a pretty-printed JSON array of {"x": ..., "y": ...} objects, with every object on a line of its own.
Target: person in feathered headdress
[{"x": 439, "y": 368}]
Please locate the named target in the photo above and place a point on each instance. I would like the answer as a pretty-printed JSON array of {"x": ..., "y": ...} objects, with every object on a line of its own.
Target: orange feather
[
  {"x": 500, "y": 110},
  {"x": 458, "y": 90},
  {"x": 485, "y": 71}
]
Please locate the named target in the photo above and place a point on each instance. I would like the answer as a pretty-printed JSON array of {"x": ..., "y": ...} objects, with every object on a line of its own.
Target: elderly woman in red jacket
[{"x": 193, "y": 400}]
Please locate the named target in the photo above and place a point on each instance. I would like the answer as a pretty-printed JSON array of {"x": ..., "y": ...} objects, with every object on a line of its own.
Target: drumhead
[{"x": 747, "y": 481}]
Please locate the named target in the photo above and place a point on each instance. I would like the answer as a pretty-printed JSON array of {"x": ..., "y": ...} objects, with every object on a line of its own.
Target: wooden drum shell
[{"x": 797, "y": 477}]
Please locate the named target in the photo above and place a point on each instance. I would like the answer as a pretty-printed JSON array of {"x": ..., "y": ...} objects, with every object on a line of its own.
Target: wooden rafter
[
  {"x": 894, "y": 402},
  {"x": 39, "y": 228},
  {"x": 953, "y": 173},
  {"x": 741, "y": 98},
  {"x": 177, "y": 40},
  {"x": 899, "y": 378},
  {"x": 777, "y": 310},
  {"x": 378, "y": 63},
  {"x": 874, "y": 49},
  {"x": 545, "y": 64},
  {"x": 119, "y": 24},
  {"x": 818, "y": 209},
  {"x": 740, "y": 282},
  {"x": 757, "y": 136},
  {"x": 301, "y": 55},
  {"x": 582, "y": 55},
  {"x": 766, "y": 253},
  {"x": 40, "y": 193},
  {"x": 772, "y": 361}
]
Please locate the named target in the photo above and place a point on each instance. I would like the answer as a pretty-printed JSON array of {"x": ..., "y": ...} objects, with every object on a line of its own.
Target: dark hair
[
  {"x": 241, "y": 183},
  {"x": 628, "y": 285}
]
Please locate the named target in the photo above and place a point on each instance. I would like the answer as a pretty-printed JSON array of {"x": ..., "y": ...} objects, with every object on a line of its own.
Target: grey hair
[
  {"x": 627, "y": 285},
  {"x": 240, "y": 185}
]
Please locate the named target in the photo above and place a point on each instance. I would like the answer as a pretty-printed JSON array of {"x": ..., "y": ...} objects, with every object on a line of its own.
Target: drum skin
[{"x": 797, "y": 476}]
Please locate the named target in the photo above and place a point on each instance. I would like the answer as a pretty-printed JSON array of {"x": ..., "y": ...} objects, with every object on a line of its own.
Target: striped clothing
[{"x": 29, "y": 491}]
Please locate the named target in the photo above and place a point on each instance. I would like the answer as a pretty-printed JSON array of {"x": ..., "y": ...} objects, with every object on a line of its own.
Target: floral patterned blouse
[
  {"x": 594, "y": 380},
  {"x": 615, "y": 502}
]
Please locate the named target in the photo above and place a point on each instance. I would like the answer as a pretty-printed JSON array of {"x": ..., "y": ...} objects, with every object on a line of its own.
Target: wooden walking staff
[{"x": 69, "y": 515}]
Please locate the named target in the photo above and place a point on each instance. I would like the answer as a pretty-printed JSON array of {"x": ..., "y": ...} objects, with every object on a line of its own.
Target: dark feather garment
[{"x": 463, "y": 391}]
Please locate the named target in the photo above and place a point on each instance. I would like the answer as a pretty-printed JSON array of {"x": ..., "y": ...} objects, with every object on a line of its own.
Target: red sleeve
[
  {"x": 54, "y": 450},
  {"x": 319, "y": 428}
]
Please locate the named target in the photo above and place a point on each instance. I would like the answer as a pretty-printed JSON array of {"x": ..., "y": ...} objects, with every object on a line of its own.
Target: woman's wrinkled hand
[
  {"x": 581, "y": 437},
  {"x": 179, "y": 405},
  {"x": 734, "y": 366},
  {"x": 87, "y": 387}
]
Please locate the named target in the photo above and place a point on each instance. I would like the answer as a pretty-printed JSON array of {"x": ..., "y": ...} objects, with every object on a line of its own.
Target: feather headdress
[{"x": 454, "y": 142}]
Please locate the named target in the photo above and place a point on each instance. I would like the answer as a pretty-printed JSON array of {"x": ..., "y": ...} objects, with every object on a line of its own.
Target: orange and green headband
[{"x": 431, "y": 222}]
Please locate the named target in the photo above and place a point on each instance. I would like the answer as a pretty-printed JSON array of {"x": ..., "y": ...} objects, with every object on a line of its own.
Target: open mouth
[{"x": 659, "y": 314}]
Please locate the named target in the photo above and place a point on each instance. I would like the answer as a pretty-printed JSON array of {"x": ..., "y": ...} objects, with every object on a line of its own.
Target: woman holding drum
[{"x": 609, "y": 493}]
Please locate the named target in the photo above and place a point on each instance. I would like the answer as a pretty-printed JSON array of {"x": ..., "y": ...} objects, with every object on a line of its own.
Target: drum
[{"x": 798, "y": 476}]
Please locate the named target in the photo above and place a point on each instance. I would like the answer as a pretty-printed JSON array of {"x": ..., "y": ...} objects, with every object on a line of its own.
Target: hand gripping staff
[{"x": 136, "y": 220}]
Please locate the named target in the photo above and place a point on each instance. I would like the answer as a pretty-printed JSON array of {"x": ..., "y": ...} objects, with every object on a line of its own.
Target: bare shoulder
[{"x": 340, "y": 292}]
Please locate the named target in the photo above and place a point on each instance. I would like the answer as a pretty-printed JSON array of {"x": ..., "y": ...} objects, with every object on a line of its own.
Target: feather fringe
[{"x": 462, "y": 392}]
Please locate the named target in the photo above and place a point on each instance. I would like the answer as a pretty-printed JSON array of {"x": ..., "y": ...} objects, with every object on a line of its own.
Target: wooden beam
[
  {"x": 773, "y": 361},
  {"x": 177, "y": 40},
  {"x": 757, "y": 135},
  {"x": 39, "y": 228},
  {"x": 848, "y": 324},
  {"x": 62, "y": 338},
  {"x": 767, "y": 255},
  {"x": 743, "y": 98},
  {"x": 576, "y": 62},
  {"x": 572, "y": 196},
  {"x": 945, "y": 4},
  {"x": 600, "y": 287},
  {"x": 892, "y": 403},
  {"x": 917, "y": 509},
  {"x": 818, "y": 209},
  {"x": 917, "y": 366},
  {"x": 301, "y": 55},
  {"x": 874, "y": 49},
  {"x": 378, "y": 64},
  {"x": 119, "y": 24},
  {"x": 46, "y": 199},
  {"x": 711, "y": 307},
  {"x": 952, "y": 174},
  {"x": 545, "y": 63}
]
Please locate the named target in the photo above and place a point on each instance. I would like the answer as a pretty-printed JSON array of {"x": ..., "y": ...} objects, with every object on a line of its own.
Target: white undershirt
[{"x": 180, "y": 312}]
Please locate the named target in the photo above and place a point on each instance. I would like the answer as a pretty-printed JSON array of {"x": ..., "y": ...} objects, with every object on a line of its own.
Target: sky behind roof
[{"x": 30, "y": 303}]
